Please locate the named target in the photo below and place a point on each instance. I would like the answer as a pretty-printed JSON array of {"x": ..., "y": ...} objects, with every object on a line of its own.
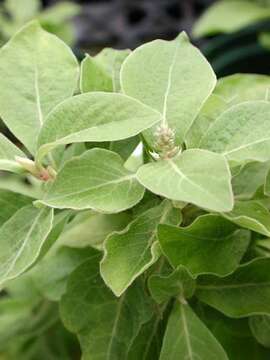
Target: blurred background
[{"x": 233, "y": 34}]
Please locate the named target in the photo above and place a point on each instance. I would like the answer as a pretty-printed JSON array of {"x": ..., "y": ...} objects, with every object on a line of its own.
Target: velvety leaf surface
[
  {"x": 243, "y": 293},
  {"x": 95, "y": 116},
  {"x": 260, "y": 327},
  {"x": 102, "y": 72},
  {"x": 238, "y": 88},
  {"x": 187, "y": 337},
  {"x": 251, "y": 215},
  {"x": 249, "y": 179},
  {"x": 105, "y": 325},
  {"x": 199, "y": 177},
  {"x": 178, "y": 283},
  {"x": 95, "y": 180},
  {"x": 34, "y": 60},
  {"x": 241, "y": 133},
  {"x": 130, "y": 252},
  {"x": 8, "y": 151},
  {"x": 172, "y": 77},
  {"x": 21, "y": 239},
  {"x": 210, "y": 244}
]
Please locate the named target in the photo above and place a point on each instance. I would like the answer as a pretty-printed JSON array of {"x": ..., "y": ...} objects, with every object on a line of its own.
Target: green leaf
[
  {"x": 101, "y": 321},
  {"x": 267, "y": 185},
  {"x": 196, "y": 176},
  {"x": 243, "y": 293},
  {"x": 22, "y": 11},
  {"x": 249, "y": 179},
  {"x": 21, "y": 239},
  {"x": 179, "y": 283},
  {"x": 51, "y": 274},
  {"x": 8, "y": 152},
  {"x": 241, "y": 133},
  {"x": 187, "y": 337},
  {"x": 91, "y": 229},
  {"x": 251, "y": 215},
  {"x": 210, "y": 244},
  {"x": 102, "y": 72},
  {"x": 10, "y": 202},
  {"x": 40, "y": 80},
  {"x": 229, "y": 16},
  {"x": 260, "y": 327},
  {"x": 213, "y": 107},
  {"x": 238, "y": 88},
  {"x": 130, "y": 252},
  {"x": 172, "y": 77},
  {"x": 95, "y": 116},
  {"x": 95, "y": 180}
]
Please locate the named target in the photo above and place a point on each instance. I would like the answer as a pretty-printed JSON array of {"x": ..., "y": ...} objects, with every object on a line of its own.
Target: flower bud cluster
[{"x": 165, "y": 142}]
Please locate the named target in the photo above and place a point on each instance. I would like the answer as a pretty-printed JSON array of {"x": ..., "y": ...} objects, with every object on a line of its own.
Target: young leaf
[
  {"x": 104, "y": 330},
  {"x": 187, "y": 337},
  {"x": 21, "y": 239},
  {"x": 210, "y": 244},
  {"x": 260, "y": 327},
  {"x": 251, "y": 215},
  {"x": 102, "y": 72},
  {"x": 8, "y": 152},
  {"x": 95, "y": 180},
  {"x": 130, "y": 252},
  {"x": 172, "y": 77},
  {"x": 96, "y": 116},
  {"x": 178, "y": 283},
  {"x": 243, "y": 293},
  {"x": 40, "y": 80},
  {"x": 196, "y": 176},
  {"x": 241, "y": 133}
]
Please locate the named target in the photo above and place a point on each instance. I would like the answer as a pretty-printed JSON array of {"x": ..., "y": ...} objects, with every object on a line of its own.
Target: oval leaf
[
  {"x": 45, "y": 73},
  {"x": 95, "y": 180}
]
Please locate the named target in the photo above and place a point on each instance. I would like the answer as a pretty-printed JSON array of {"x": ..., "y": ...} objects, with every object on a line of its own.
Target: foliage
[{"x": 143, "y": 232}]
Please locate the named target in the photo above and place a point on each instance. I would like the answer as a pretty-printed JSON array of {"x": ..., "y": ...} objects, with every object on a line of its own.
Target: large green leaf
[
  {"x": 241, "y": 133},
  {"x": 210, "y": 244},
  {"x": 196, "y": 176},
  {"x": 243, "y": 293},
  {"x": 267, "y": 184},
  {"x": 130, "y": 252},
  {"x": 95, "y": 116},
  {"x": 10, "y": 202},
  {"x": 8, "y": 152},
  {"x": 178, "y": 283},
  {"x": 105, "y": 325},
  {"x": 95, "y": 180},
  {"x": 260, "y": 327},
  {"x": 251, "y": 215},
  {"x": 172, "y": 77},
  {"x": 229, "y": 16},
  {"x": 187, "y": 337},
  {"x": 21, "y": 239},
  {"x": 102, "y": 72},
  {"x": 45, "y": 73}
]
